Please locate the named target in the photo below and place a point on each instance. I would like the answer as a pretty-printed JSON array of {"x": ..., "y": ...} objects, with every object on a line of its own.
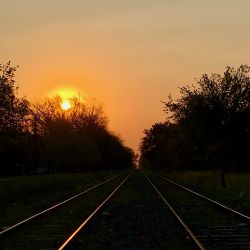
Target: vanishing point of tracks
[{"x": 133, "y": 218}]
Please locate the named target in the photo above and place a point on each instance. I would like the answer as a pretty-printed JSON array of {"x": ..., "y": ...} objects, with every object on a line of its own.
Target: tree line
[
  {"x": 42, "y": 137},
  {"x": 207, "y": 127}
]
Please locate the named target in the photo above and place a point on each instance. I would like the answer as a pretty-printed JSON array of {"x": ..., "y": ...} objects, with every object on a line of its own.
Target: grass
[
  {"x": 236, "y": 194},
  {"x": 23, "y": 196}
]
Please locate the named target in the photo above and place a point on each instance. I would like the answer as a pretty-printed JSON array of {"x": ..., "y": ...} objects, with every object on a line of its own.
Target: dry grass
[
  {"x": 23, "y": 196},
  {"x": 236, "y": 194}
]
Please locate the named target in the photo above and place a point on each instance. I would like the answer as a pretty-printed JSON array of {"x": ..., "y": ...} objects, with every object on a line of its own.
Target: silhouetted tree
[
  {"x": 213, "y": 122},
  {"x": 46, "y": 137},
  {"x": 77, "y": 139},
  {"x": 217, "y": 114},
  {"x": 158, "y": 146},
  {"x": 14, "y": 112}
]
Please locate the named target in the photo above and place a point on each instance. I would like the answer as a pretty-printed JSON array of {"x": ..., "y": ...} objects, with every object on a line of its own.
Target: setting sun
[{"x": 66, "y": 105}]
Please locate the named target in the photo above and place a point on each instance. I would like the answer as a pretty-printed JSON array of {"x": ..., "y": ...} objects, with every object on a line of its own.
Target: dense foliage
[
  {"x": 209, "y": 128},
  {"x": 43, "y": 137},
  {"x": 76, "y": 139}
]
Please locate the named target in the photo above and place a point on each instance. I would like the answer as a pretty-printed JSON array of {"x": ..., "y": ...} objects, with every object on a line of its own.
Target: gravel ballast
[{"x": 136, "y": 218}]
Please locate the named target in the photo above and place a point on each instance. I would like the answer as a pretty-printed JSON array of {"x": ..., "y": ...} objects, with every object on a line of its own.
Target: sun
[{"x": 65, "y": 105}]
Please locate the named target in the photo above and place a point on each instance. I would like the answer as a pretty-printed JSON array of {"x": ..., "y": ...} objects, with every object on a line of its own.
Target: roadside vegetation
[
  {"x": 236, "y": 195},
  {"x": 21, "y": 197},
  {"x": 46, "y": 138},
  {"x": 206, "y": 128}
]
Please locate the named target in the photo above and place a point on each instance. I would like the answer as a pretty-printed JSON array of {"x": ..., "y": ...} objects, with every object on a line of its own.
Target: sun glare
[
  {"x": 67, "y": 93},
  {"x": 66, "y": 105}
]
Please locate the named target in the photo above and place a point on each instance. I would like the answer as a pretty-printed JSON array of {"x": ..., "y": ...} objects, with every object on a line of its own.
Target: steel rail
[
  {"x": 194, "y": 238},
  {"x": 56, "y": 206},
  {"x": 71, "y": 237},
  {"x": 206, "y": 198}
]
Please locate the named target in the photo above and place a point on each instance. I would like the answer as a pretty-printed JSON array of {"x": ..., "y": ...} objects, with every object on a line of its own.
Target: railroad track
[
  {"x": 47, "y": 229},
  {"x": 141, "y": 222},
  {"x": 215, "y": 225},
  {"x": 69, "y": 240},
  {"x": 134, "y": 219}
]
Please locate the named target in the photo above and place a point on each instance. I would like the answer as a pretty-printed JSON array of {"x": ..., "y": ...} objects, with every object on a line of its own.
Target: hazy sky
[{"x": 127, "y": 54}]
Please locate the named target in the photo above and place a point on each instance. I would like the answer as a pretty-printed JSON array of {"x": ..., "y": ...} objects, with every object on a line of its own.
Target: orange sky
[{"x": 128, "y": 55}]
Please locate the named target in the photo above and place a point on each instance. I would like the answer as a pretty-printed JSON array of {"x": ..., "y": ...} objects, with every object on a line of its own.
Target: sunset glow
[
  {"x": 128, "y": 55},
  {"x": 64, "y": 92}
]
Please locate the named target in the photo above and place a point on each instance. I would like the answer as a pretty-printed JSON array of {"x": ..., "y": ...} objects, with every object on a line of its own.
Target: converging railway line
[
  {"x": 122, "y": 213},
  {"x": 135, "y": 218},
  {"x": 132, "y": 211}
]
